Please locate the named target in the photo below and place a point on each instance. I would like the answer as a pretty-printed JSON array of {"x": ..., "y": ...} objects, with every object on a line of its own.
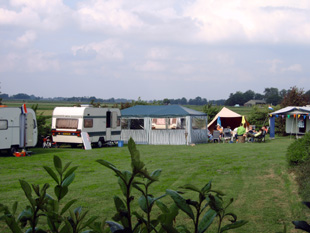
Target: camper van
[
  {"x": 101, "y": 124},
  {"x": 18, "y": 128}
]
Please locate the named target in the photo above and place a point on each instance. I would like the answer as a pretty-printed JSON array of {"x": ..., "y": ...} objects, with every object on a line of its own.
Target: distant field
[
  {"x": 46, "y": 108},
  {"x": 254, "y": 174}
]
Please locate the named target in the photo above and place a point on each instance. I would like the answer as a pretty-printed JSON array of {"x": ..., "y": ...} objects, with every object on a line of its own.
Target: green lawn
[{"x": 254, "y": 174}]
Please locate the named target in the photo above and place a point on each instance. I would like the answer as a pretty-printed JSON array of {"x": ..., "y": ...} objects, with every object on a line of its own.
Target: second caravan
[{"x": 101, "y": 124}]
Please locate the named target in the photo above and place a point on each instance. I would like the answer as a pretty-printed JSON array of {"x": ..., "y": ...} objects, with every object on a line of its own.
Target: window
[
  {"x": 88, "y": 123},
  {"x": 132, "y": 123},
  {"x": 137, "y": 124},
  {"x": 62, "y": 123},
  {"x": 3, "y": 124},
  {"x": 168, "y": 123},
  {"x": 199, "y": 123}
]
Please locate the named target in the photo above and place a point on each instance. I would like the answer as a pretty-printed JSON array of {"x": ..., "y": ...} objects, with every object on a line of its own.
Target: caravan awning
[{"x": 292, "y": 110}]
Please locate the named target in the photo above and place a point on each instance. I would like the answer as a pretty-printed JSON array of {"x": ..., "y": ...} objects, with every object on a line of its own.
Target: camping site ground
[{"x": 254, "y": 174}]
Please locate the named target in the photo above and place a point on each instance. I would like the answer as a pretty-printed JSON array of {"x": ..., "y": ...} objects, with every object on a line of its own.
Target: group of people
[{"x": 249, "y": 132}]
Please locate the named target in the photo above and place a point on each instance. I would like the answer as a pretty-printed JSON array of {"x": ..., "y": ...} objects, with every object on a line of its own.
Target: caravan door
[
  {"x": 5, "y": 134},
  {"x": 30, "y": 126},
  {"x": 108, "y": 126}
]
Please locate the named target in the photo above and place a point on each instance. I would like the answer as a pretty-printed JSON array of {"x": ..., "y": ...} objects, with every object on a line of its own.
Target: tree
[
  {"x": 248, "y": 95},
  {"x": 295, "y": 97},
  {"x": 210, "y": 110},
  {"x": 166, "y": 101},
  {"x": 272, "y": 96}
]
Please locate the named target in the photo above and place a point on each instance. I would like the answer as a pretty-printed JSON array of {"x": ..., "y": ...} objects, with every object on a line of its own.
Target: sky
[{"x": 153, "y": 49}]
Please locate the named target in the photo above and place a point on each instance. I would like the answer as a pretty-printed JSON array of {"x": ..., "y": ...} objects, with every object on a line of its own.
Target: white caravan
[
  {"x": 101, "y": 124},
  {"x": 17, "y": 129}
]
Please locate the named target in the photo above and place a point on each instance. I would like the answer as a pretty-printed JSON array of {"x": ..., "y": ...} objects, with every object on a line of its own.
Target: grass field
[{"x": 254, "y": 174}]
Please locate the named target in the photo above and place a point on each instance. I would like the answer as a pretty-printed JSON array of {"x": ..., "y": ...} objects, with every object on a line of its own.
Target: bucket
[
  {"x": 241, "y": 139},
  {"x": 120, "y": 143}
]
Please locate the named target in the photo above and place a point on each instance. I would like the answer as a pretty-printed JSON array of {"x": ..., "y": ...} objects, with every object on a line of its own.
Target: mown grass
[{"x": 254, "y": 174}]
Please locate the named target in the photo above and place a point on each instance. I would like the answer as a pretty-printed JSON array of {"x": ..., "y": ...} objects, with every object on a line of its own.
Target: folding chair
[{"x": 216, "y": 136}]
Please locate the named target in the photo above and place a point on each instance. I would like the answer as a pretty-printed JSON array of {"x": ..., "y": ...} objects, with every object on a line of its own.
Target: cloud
[
  {"x": 99, "y": 15},
  {"x": 293, "y": 68},
  {"x": 105, "y": 50},
  {"x": 27, "y": 38},
  {"x": 31, "y": 61},
  {"x": 150, "y": 66},
  {"x": 43, "y": 14},
  {"x": 251, "y": 21}
]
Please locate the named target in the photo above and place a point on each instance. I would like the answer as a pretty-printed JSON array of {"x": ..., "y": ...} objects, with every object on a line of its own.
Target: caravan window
[
  {"x": 63, "y": 123},
  {"x": 3, "y": 124},
  {"x": 88, "y": 123}
]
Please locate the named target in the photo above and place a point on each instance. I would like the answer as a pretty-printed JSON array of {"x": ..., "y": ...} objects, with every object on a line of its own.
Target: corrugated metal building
[{"x": 163, "y": 125}]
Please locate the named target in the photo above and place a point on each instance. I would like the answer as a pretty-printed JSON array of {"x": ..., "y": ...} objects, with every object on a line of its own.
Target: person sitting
[
  {"x": 240, "y": 131},
  {"x": 250, "y": 133},
  {"x": 227, "y": 133},
  {"x": 256, "y": 135},
  {"x": 210, "y": 136}
]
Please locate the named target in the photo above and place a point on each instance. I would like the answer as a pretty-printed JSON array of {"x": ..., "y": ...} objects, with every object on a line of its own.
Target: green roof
[{"x": 160, "y": 111}]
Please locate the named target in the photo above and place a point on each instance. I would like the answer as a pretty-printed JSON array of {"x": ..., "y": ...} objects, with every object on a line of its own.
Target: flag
[
  {"x": 24, "y": 109},
  {"x": 270, "y": 108},
  {"x": 219, "y": 121},
  {"x": 243, "y": 120}
]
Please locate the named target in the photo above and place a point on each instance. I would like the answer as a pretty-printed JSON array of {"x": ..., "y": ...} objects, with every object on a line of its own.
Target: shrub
[{"x": 299, "y": 151}]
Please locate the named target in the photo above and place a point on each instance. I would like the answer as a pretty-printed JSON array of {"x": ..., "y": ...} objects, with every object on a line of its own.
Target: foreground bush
[
  {"x": 56, "y": 216},
  {"x": 299, "y": 151}
]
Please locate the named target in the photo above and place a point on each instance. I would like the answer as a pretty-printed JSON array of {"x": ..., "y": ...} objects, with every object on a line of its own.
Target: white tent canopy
[{"x": 228, "y": 118}]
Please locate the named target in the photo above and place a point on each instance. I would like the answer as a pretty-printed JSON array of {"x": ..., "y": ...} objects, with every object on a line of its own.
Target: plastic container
[{"x": 120, "y": 143}]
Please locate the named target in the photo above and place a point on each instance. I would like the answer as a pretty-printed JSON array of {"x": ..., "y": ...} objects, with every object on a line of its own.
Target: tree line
[{"x": 271, "y": 95}]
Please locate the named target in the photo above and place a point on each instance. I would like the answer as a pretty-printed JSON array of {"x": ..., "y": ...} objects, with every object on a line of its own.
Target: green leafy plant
[
  {"x": 210, "y": 204},
  {"x": 299, "y": 151},
  {"x": 41, "y": 204},
  {"x": 128, "y": 180}
]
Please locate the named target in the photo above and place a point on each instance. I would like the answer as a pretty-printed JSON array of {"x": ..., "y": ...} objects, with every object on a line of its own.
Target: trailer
[
  {"x": 101, "y": 124},
  {"x": 18, "y": 128}
]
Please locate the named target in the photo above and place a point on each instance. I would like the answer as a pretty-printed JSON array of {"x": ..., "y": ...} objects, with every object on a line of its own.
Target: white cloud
[
  {"x": 27, "y": 38},
  {"x": 150, "y": 66},
  {"x": 43, "y": 14},
  {"x": 293, "y": 68},
  {"x": 158, "y": 53},
  {"x": 99, "y": 15},
  {"x": 254, "y": 21},
  {"x": 107, "y": 50}
]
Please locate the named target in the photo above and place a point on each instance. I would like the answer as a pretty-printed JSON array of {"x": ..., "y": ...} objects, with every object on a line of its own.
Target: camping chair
[
  {"x": 260, "y": 138},
  {"x": 227, "y": 135},
  {"x": 216, "y": 136}
]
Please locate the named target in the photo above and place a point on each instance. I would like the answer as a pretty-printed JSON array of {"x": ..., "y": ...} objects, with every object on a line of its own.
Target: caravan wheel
[
  {"x": 13, "y": 150},
  {"x": 99, "y": 144}
]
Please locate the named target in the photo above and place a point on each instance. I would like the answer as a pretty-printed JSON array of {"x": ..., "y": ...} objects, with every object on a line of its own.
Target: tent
[
  {"x": 227, "y": 118},
  {"x": 163, "y": 124},
  {"x": 297, "y": 119}
]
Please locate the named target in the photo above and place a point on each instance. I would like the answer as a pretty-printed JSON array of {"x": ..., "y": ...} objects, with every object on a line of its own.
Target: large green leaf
[
  {"x": 143, "y": 204},
  {"x": 181, "y": 203},
  {"x": 111, "y": 166},
  {"x": 58, "y": 164},
  {"x": 66, "y": 166},
  {"x": 51, "y": 173},
  {"x": 206, "y": 188},
  {"x": 60, "y": 191},
  {"x": 71, "y": 170},
  {"x": 67, "y": 206},
  {"x": 191, "y": 187},
  {"x": 68, "y": 180},
  {"x": 206, "y": 220},
  {"x": 234, "y": 225}
]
